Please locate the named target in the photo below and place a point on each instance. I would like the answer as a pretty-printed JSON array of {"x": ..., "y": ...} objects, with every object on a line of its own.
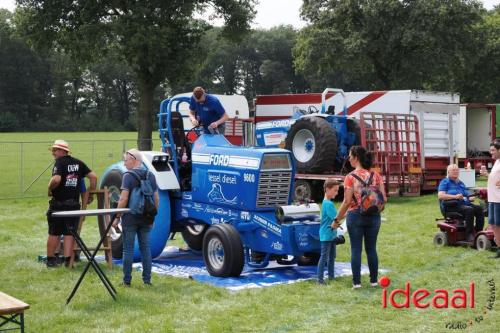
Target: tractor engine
[{"x": 239, "y": 177}]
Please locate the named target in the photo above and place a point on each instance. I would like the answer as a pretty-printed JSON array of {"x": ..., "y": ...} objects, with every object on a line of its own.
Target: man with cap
[
  {"x": 208, "y": 111},
  {"x": 65, "y": 187}
]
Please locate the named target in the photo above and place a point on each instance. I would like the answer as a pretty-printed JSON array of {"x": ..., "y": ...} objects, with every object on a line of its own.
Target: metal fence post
[
  {"x": 93, "y": 154},
  {"x": 21, "y": 173}
]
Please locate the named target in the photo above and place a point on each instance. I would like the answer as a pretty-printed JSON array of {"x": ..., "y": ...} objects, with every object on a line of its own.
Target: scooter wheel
[
  {"x": 440, "y": 239},
  {"x": 483, "y": 243}
]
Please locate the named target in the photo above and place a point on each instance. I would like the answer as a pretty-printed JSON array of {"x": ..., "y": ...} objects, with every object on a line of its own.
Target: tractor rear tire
[
  {"x": 440, "y": 239},
  {"x": 113, "y": 181},
  {"x": 483, "y": 243},
  {"x": 193, "y": 236},
  {"x": 353, "y": 127},
  {"x": 313, "y": 143},
  {"x": 223, "y": 251}
]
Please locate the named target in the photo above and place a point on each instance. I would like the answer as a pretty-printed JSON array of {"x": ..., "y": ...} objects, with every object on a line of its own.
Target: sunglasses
[{"x": 129, "y": 154}]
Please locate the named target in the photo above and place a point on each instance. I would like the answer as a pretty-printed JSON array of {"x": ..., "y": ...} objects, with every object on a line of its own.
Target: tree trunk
[
  {"x": 145, "y": 115},
  {"x": 124, "y": 101}
]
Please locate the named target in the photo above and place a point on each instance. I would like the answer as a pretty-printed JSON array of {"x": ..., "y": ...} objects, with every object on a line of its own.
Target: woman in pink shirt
[{"x": 494, "y": 193}]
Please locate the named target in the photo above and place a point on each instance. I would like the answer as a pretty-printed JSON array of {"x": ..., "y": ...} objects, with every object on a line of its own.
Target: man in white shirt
[{"x": 494, "y": 193}]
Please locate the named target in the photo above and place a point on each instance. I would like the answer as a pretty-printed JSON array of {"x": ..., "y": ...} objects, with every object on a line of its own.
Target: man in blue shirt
[
  {"x": 208, "y": 111},
  {"x": 452, "y": 188}
]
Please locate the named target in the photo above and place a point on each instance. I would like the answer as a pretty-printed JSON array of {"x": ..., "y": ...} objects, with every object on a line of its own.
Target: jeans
[
  {"x": 494, "y": 213},
  {"x": 367, "y": 227},
  {"x": 129, "y": 231},
  {"x": 328, "y": 254}
]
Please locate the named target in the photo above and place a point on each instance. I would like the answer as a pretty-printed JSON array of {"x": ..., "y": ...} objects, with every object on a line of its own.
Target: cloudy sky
[{"x": 270, "y": 12}]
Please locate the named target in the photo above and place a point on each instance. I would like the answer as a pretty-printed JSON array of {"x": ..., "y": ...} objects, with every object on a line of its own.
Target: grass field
[{"x": 181, "y": 305}]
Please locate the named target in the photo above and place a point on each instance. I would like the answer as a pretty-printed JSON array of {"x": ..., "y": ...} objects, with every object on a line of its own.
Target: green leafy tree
[
  {"x": 260, "y": 63},
  {"x": 387, "y": 44},
  {"x": 483, "y": 76},
  {"x": 25, "y": 80},
  {"x": 156, "y": 38}
]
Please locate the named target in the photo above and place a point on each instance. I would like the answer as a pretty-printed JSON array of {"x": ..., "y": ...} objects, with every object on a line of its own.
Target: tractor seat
[{"x": 177, "y": 125}]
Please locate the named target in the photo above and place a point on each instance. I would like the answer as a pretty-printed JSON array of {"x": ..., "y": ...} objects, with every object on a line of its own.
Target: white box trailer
[
  {"x": 437, "y": 113},
  {"x": 480, "y": 124}
]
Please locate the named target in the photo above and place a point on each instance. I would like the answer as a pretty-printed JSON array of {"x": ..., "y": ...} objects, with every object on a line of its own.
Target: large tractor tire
[
  {"x": 353, "y": 127},
  {"x": 161, "y": 228},
  {"x": 113, "y": 181},
  {"x": 313, "y": 143},
  {"x": 223, "y": 251},
  {"x": 193, "y": 236}
]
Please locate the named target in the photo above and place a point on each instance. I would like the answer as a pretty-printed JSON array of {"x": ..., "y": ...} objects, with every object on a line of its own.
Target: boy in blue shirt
[{"x": 327, "y": 234}]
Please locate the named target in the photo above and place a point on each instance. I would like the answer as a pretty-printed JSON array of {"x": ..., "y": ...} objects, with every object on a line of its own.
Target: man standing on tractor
[
  {"x": 65, "y": 187},
  {"x": 207, "y": 110},
  {"x": 453, "y": 194},
  {"x": 494, "y": 193}
]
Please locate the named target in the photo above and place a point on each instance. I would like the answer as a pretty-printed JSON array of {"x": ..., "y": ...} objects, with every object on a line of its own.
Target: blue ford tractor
[
  {"x": 233, "y": 203},
  {"x": 319, "y": 139}
]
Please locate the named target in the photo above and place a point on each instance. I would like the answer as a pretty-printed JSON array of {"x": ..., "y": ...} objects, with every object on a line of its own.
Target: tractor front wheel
[{"x": 223, "y": 251}]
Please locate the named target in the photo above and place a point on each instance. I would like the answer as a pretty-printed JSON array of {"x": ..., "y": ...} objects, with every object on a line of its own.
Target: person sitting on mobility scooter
[{"x": 454, "y": 197}]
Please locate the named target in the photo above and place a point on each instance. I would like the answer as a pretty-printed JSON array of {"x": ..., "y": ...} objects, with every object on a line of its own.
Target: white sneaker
[
  {"x": 374, "y": 284},
  {"x": 356, "y": 286}
]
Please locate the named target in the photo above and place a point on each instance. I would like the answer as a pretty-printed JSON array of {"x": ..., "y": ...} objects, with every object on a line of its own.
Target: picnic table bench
[{"x": 11, "y": 311}]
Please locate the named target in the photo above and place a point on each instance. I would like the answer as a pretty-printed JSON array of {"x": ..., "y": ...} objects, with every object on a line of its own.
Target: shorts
[
  {"x": 62, "y": 226},
  {"x": 494, "y": 213}
]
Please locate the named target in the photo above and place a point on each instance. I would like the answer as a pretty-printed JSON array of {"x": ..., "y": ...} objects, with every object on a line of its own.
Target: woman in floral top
[{"x": 360, "y": 226}]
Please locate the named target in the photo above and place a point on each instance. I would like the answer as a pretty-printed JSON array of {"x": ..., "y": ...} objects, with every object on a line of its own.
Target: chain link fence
[{"x": 26, "y": 167}]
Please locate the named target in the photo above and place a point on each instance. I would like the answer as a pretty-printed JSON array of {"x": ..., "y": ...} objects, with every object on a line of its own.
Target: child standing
[{"x": 326, "y": 233}]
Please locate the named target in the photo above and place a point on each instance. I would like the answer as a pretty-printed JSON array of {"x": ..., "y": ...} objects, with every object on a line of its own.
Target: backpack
[
  {"x": 372, "y": 199},
  {"x": 141, "y": 199}
]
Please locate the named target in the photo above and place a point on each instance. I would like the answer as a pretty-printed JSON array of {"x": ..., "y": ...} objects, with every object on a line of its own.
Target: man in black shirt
[{"x": 64, "y": 188}]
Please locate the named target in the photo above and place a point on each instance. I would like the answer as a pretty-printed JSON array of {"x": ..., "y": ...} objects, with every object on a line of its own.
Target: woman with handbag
[{"x": 364, "y": 197}]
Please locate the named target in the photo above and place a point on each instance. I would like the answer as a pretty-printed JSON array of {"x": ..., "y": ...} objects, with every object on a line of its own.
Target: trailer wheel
[
  {"x": 302, "y": 190},
  {"x": 193, "y": 236},
  {"x": 313, "y": 143},
  {"x": 113, "y": 181},
  {"x": 223, "y": 251},
  {"x": 440, "y": 239},
  {"x": 308, "y": 259},
  {"x": 483, "y": 243}
]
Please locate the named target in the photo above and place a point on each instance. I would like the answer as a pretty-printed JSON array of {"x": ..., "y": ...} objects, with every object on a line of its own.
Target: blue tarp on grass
[{"x": 187, "y": 264}]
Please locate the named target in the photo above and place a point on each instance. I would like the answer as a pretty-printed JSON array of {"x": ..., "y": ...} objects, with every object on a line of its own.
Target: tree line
[{"x": 105, "y": 66}]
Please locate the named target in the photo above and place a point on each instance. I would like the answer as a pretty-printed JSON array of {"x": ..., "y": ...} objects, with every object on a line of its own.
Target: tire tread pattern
[{"x": 325, "y": 139}]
